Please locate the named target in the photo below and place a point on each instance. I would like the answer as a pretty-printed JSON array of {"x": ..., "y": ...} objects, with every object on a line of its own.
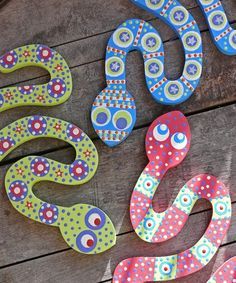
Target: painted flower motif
[
  {"x": 28, "y": 89},
  {"x": 17, "y": 191},
  {"x": 56, "y": 88},
  {"x": 44, "y": 53},
  {"x": 48, "y": 213},
  {"x": 79, "y": 170},
  {"x": 9, "y": 60},
  {"x": 5, "y": 144},
  {"x": 40, "y": 166},
  {"x": 74, "y": 133},
  {"x": 37, "y": 125}
]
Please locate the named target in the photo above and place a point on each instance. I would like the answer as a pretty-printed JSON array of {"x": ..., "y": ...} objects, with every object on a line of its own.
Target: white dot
[
  {"x": 9, "y": 58},
  {"x": 49, "y": 214},
  {"x": 40, "y": 167},
  {"x": 76, "y": 131},
  {"x": 78, "y": 170},
  {"x": 45, "y": 53},
  {"x": 6, "y": 144},
  {"x": 16, "y": 190},
  {"x": 57, "y": 87},
  {"x": 37, "y": 125}
]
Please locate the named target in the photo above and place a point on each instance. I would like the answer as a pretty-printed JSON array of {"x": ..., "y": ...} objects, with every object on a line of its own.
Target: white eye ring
[
  {"x": 161, "y": 132},
  {"x": 179, "y": 141}
]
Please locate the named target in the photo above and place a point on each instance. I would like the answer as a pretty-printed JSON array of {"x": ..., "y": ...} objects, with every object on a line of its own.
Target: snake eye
[
  {"x": 86, "y": 241},
  {"x": 101, "y": 116},
  {"x": 179, "y": 140},
  {"x": 95, "y": 219},
  {"x": 161, "y": 132},
  {"x": 122, "y": 120}
]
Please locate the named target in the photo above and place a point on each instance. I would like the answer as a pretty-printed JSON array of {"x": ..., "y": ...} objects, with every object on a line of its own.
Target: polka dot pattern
[
  {"x": 223, "y": 35},
  {"x": 85, "y": 228},
  {"x": 135, "y": 270},
  {"x": 154, "y": 227},
  {"x": 141, "y": 36},
  {"x": 56, "y": 91},
  {"x": 226, "y": 273}
]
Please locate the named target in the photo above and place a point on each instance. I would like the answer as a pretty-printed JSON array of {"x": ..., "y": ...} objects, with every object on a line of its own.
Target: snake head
[
  {"x": 113, "y": 116},
  {"x": 168, "y": 139},
  {"x": 87, "y": 229}
]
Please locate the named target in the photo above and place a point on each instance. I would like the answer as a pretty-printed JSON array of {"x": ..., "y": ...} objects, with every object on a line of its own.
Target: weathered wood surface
[{"x": 32, "y": 252}]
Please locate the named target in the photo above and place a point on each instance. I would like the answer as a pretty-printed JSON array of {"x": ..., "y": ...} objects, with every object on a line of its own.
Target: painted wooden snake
[
  {"x": 114, "y": 111},
  {"x": 167, "y": 144},
  {"x": 85, "y": 228}
]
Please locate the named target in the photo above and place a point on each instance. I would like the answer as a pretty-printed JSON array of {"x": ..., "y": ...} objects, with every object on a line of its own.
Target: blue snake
[{"x": 114, "y": 111}]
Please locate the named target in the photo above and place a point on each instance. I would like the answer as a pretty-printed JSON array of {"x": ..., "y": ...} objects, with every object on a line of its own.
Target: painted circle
[
  {"x": 149, "y": 223},
  {"x": 39, "y": 166},
  {"x": 179, "y": 141},
  {"x": 123, "y": 37},
  {"x": 151, "y": 42},
  {"x": 6, "y": 143},
  {"x": 206, "y": 2},
  {"x": 37, "y": 125},
  {"x": 44, "y": 53},
  {"x": 95, "y": 219},
  {"x": 179, "y": 15},
  {"x": 220, "y": 208},
  {"x": 148, "y": 183},
  {"x": 9, "y": 60},
  {"x": 153, "y": 68},
  {"x": 174, "y": 90},
  {"x": 165, "y": 268},
  {"x": 48, "y": 213},
  {"x": 27, "y": 89},
  {"x": 74, "y": 133},
  {"x": 192, "y": 41},
  {"x": 79, "y": 170},
  {"x": 56, "y": 88},
  {"x": 101, "y": 116},
  {"x": 86, "y": 241},
  {"x": 232, "y": 39},
  {"x": 203, "y": 250},
  {"x": 154, "y": 4},
  {"x": 217, "y": 20},
  {"x": 192, "y": 70},
  {"x": 185, "y": 200},
  {"x": 114, "y": 67},
  {"x": 161, "y": 132},
  {"x": 122, "y": 120},
  {"x": 17, "y": 191}
]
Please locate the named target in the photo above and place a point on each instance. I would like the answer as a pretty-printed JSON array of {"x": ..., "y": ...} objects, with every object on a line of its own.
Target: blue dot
[
  {"x": 101, "y": 118},
  {"x": 121, "y": 123}
]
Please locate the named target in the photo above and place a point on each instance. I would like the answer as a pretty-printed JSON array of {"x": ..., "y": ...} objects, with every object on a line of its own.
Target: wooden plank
[
  {"x": 68, "y": 266},
  {"x": 56, "y": 22},
  {"x": 216, "y": 88},
  {"x": 82, "y": 51},
  {"x": 212, "y": 151}
]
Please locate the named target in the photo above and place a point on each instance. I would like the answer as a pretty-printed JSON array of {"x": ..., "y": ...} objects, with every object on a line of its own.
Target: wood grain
[
  {"x": 212, "y": 151},
  {"x": 32, "y": 252},
  {"x": 216, "y": 88}
]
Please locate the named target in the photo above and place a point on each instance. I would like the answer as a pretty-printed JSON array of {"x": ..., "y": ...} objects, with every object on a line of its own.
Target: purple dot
[
  {"x": 121, "y": 123},
  {"x": 101, "y": 118}
]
